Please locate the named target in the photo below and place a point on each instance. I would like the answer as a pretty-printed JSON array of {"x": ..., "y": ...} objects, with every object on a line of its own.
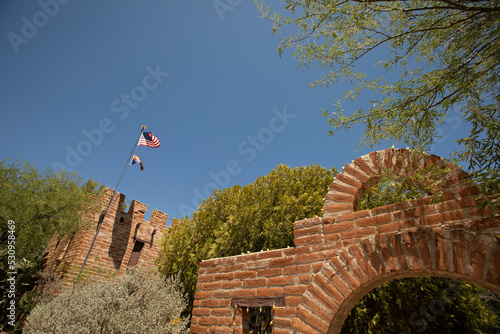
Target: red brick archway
[
  {"x": 357, "y": 269},
  {"x": 338, "y": 258}
]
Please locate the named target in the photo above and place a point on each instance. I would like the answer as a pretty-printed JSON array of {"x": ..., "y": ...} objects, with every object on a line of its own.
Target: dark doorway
[{"x": 136, "y": 253}]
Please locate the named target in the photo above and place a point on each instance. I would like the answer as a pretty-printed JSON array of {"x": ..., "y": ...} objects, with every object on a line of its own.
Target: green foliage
[
  {"x": 37, "y": 204},
  {"x": 385, "y": 193},
  {"x": 423, "y": 305},
  {"x": 26, "y": 277},
  {"x": 444, "y": 57},
  {"x": 251, "y": 218},
  {"x": 138, "y": 302},
  {"x": 40, "y": 204},
  {"x": 482, "y": 152}
]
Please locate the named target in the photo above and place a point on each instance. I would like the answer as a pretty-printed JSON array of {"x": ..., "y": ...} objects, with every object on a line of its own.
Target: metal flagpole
[{"x": 143, "y": 127}]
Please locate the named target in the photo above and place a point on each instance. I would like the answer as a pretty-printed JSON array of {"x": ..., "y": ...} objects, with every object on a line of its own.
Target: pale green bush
[{"x": 138, "y": 302}]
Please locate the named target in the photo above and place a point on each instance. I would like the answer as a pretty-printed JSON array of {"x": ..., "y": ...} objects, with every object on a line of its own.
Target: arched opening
[
  {"x": 421, "y": 304},
  {"x": 430, "y": 174},
  {"x": 387, "y": 192},
  {"x": 425, "y": 305}
]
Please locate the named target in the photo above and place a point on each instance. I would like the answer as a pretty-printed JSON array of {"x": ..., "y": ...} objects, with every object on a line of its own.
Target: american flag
[{"x": 147, "y": 139}]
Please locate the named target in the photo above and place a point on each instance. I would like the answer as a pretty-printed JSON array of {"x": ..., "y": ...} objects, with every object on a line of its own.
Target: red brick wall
[
  {"x": 113, "y": 246},
  {"x": 338, "y": 258}
]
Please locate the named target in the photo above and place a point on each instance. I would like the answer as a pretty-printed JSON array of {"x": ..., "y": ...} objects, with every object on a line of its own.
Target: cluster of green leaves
[
  {"x": 242, "y": 219},
  {"x": 40, "y": 204},
  {"x": 138, "y": 302},
  {"x": 26, "y": 277},
  {"x": 482, "y": 151},
  {"x": 385, "y": 193},
  {"x": 423, "y": 305},
  {"x": 445, "y": 57}
]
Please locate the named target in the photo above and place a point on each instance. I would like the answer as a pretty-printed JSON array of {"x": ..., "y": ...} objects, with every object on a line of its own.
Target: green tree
[
  {"x": 33, "y": 206},
  {"x": 444, "y": 56},
  {"x": 138, "y": 302},
  {"x": 240, "y": 219},
  {"x": 39, "y": 204}
]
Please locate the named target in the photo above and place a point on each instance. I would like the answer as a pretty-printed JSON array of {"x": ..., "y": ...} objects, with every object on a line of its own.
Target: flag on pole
[
  {"x": 147, "y": 139},
  {"x": 136, "y": 160}
]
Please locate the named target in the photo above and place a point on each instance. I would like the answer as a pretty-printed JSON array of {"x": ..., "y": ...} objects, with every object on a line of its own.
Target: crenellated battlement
[{"x": 124, "y": 240}]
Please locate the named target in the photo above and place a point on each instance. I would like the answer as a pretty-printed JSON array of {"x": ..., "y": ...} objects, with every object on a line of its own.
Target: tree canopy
[
  {"x": 444, "y": 57},
  {"x": 39, "y": 204},
  {"x": 240, "y": 219}
]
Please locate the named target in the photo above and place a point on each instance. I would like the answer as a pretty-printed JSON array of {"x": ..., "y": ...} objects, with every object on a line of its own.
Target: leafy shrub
[
  {"x": 138, "y": 302},
  {"x": 251, "y": 218}
]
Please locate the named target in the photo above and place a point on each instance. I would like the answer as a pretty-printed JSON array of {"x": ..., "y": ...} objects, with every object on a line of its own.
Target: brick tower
[{"x": 125, "y": 240}]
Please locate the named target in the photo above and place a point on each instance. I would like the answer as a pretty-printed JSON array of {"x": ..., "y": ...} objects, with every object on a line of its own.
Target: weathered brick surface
[
  {"x": 339, "y": 257},
  {"x": 113, "y": 246}
]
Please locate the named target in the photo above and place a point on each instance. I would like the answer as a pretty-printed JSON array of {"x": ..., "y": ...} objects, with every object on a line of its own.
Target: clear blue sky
[{"x": 83, "y": 76}]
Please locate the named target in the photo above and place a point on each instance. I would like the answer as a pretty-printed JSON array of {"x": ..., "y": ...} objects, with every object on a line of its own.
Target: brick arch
[
  {"x": 364, "y": 172},
  {"x": 447, "y": 251},
  {"x": 341, "y": 256},
  {"x": 355, "y": 270}
]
